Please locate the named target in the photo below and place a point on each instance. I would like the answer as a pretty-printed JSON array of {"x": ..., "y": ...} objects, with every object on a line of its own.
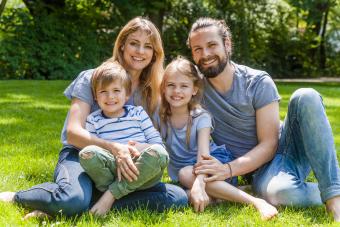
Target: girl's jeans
[
  {"x": 101, "y": 166},
  {"x": 73, "y": 189},
  {"x": 306, "y": 143}
]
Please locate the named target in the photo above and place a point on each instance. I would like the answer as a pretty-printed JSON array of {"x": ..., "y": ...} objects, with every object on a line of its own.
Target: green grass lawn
[{"x": 31, "y": 118}]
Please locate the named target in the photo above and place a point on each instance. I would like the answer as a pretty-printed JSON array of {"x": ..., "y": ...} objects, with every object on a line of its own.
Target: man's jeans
[
  {"x": 101, "y": 166},
  {"x": 306, "y": 143},
  {"x": 72, "y": 191}
]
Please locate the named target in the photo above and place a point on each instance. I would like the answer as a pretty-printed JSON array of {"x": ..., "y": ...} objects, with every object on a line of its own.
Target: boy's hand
[
  {"x": 125, "y": 165},
  {"x": 134, "y": 152},
  {"x": 103, "y": 205}
]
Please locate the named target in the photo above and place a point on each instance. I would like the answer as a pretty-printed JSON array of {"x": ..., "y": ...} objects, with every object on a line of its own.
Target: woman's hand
[
  {"x": 198, "y": 196},
  {"x": 213, "y": 168},
  {"x": 125, "y": 165}
]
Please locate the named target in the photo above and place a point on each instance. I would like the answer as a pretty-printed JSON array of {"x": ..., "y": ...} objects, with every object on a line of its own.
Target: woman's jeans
[
  {"x": 73, "y": 189},
  {"x": 306, "y": 143},
  {"x": 101, "y": 166}
]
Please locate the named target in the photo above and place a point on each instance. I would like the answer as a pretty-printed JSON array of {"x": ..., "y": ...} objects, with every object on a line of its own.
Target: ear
[
  {"x": 122, "y": 48},
  {"x": 227, "y": 45},
  {"x": 127, "y": 98}
]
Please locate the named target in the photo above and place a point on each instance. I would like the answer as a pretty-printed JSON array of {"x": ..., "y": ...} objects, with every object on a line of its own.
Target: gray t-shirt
[
  {"x": 81, "y": 88},
  {"x": 235, "y": 111},
  {"x": 180, "y": 155}
]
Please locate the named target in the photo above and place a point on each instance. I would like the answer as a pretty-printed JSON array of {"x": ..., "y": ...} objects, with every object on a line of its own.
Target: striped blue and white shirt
[{"x": 134, "y": 125}]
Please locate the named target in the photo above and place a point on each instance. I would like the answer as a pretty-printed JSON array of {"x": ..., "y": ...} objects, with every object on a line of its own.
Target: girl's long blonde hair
[
  {"x": 151, "y": 76},
  {"x": 180, "y": 66}
]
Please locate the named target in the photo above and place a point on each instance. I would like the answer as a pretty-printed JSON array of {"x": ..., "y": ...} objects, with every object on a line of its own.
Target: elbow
[{"x": 71, "y": 136}]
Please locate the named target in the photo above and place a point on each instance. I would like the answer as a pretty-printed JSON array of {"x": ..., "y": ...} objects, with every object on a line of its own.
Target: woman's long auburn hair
[
  {"x": 180, "y": 66},
  {"x": 151, "y": 76}
]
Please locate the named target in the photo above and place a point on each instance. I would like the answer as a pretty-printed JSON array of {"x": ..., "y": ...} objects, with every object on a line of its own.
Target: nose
[
  {"x": 140, "y": 49},
  {"x": 205, "y": 52}
]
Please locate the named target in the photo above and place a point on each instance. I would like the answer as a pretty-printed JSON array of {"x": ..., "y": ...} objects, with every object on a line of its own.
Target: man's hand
[
  {"x": 198, "y": 197},
  {"x": 103, "y": 205},
  {"x": 213, "y": 168},
  {"x": 125, "y": 165}
]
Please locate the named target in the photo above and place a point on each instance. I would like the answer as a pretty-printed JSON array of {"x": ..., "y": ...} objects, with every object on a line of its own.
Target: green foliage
[
  {"x": 283, "y": 37},
  {"x": 49, "y": 46}
]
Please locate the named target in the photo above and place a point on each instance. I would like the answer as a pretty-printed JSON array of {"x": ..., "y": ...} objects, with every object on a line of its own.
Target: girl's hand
[
  {"x": 213, "y": 168},
  {"x": 198, "y": 196},
  {"x": 103, "y": 205},
  {"x": 125, "y": 165}
]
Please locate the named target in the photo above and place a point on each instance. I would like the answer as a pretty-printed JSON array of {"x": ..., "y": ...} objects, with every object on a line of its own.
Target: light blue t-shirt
[
  {"x": 235, "y": 111},
  {"x": 81, "y": 88},
  {"x": 175, "y": 141}
]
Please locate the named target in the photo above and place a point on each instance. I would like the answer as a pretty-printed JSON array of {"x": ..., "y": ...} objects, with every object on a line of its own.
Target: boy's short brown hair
[{"x": 109, "y": 72}]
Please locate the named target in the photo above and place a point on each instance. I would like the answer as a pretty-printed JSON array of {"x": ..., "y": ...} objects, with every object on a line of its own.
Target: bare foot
[
  {"x": 333, "y": 207},
  {"x": 7, "y": 197},
  {"x": 36, "y": 214},
  {"x": 267, "y": 211}
]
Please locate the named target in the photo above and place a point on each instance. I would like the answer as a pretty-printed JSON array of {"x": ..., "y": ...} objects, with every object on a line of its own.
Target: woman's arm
[{"x": 78, "y": 136}]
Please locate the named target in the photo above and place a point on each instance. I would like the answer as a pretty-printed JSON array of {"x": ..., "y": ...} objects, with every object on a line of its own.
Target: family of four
[{"x": 207, "y": 123}]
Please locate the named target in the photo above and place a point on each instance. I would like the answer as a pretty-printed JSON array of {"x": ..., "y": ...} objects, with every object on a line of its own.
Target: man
[{"x": 244, "y": 103}]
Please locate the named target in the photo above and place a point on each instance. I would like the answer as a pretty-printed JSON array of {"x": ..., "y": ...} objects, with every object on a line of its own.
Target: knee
[
  {"x": 87, "y": 152},
  {"x": 307, "y": 97},
  {"x": 186, "y": 177},
  {"x": 159, "y": 154}
]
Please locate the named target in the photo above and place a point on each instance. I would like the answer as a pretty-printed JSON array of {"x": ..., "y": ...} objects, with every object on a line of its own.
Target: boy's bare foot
[
  {"x": 36, "y": 214},
  {"x": 333, "y": 207},
  {"x": 7, "y": 197},
  {"x": 267, "y": 211}
]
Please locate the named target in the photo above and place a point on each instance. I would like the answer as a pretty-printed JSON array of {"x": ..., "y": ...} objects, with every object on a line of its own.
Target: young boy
[{"x": 123, "y": 124}]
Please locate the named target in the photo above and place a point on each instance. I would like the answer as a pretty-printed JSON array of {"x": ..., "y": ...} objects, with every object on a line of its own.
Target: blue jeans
[
  {"x": 72, "y": 191},
  {"x": 306, "y": 143}
]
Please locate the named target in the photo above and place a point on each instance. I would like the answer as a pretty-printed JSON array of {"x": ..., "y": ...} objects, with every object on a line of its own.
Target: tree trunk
[
  {"x": 2, "y": 6},
  {"x": 322, "y": 62}
]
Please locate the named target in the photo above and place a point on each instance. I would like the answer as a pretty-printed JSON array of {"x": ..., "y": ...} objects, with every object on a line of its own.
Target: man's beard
[{"x": 213, "y": 71}]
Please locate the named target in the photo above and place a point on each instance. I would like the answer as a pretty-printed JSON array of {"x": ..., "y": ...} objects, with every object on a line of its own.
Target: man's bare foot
[
  {"x": 267, "y": 211},
  {"x": 36, "y": 214},
  {"x": 333, "y": 207},
  {"x": 7, "y": 197}
]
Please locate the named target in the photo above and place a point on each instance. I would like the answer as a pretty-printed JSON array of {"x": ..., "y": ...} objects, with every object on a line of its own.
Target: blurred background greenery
[{"x": 56, "y": 39}]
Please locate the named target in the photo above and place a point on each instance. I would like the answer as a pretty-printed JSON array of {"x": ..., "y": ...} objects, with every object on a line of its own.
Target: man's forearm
[{"x": 255, "y": 158}]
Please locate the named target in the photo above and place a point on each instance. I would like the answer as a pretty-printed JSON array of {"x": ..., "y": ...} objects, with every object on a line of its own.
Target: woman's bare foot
[
  {"x": 267, "y": 211},
  {"x": 36, "y": 214},
  {"x": 7, "y": 197},
  {"x": 333, "y": 207}
]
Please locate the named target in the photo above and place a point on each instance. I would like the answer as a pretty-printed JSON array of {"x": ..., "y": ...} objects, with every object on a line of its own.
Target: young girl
[{"x": 186, "y": 128}]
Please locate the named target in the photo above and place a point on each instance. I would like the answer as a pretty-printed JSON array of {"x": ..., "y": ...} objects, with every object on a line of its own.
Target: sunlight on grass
[{"x": 5, "y": 122}]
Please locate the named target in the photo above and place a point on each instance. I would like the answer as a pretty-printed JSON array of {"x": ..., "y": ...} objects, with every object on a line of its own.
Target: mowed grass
[{"x": 31, "y": 118}]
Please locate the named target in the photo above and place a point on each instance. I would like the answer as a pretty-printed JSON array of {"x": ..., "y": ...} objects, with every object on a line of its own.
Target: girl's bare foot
[
  {"x": 333, "y": 207},
  {"x": 36, "y": 214},
  {"x": 267, "y": 211},
  {"x": 7, "y": 197}
]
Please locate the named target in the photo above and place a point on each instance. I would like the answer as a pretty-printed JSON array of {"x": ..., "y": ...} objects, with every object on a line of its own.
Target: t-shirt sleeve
[
  {"x": 151, "y": 134},
  {"x": 265, "y": 92},
  {"x": 204, "y": 121},
  {"x": 89, "y": 125},
  {"x": 81, "y": 88}
]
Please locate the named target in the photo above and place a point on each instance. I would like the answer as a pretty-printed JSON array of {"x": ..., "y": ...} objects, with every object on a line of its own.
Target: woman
[{"x": 139, "y": 49}]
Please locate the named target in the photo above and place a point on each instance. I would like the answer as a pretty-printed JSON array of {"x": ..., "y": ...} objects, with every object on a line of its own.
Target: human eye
[
  {"x": 170, "y": 85},
  {"x": 149, "y": 46},
  {"x": 198, "y": 49},
  {"x": 212, "y": 45},
  {"x": 117, "y": 90},
  {"x": 102, "y": 92}
]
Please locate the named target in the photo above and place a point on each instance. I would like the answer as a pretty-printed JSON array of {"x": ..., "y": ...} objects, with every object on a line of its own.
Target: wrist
[{"x": 229, "y": 170}]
